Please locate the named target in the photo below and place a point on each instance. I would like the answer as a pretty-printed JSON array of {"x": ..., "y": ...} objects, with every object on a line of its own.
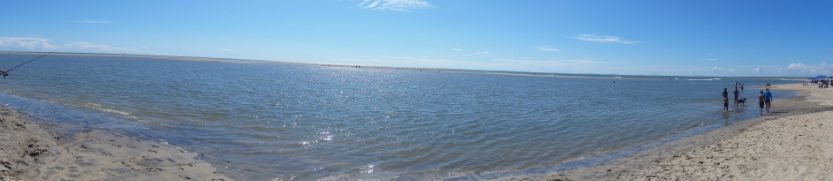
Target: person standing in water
[
  {"x": 761, "y": 102},
  {"x": 767, "y": 99},
  {"x": 736, "y": 96},
  {"x": 725, "y": 100},
  {"x": 726, "y": 104}
]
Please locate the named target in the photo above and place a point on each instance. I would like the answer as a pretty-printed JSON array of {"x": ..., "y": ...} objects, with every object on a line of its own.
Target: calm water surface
[{"x": 267, "y": 121}]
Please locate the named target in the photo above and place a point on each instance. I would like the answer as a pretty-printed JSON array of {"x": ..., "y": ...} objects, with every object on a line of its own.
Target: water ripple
[{"x": 267, "y": 121}]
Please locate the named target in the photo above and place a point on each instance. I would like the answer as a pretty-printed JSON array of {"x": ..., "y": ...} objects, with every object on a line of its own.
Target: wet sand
[
  {"x": 794, "y": 142},
  {"x": 31, "y": 151}
]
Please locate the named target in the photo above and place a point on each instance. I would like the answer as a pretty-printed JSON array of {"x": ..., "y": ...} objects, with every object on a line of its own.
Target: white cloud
[
  {"x": 804, "y": 69},
  {"x": 546, "y": 48},
  {"x": 395, "y": 5},
  {"x": 603, "y": 39},
  {"x": 25, "y": 44},
  {"x": 371, "y": 5},
  {"x": 712, "y": 59},
  {"x": 758, "y": 69},
  {"x": 463, "y": 52},
  {"x": 43, "y": 45},
  {"x": 795, "y": 66},
  {"x": 719, "y": 69},
  {"x": 92, "y": 22},
  {"x": 227, "y": 50}
]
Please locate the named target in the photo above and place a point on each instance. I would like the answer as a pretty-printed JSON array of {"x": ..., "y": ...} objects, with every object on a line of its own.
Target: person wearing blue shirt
[{"x": 767, "y": 99}]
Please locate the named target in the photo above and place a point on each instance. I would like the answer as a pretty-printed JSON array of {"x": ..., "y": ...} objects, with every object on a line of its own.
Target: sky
[{"x": 761, "y": 38}]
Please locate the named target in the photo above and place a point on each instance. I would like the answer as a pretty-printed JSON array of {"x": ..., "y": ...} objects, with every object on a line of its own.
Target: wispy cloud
[
  {"x": 227, "y": 50},
  {"x": 92, "y": 22},
  {"x": 792, "y": 69},
  {"x": 795, "y": 66},
  {"x": 603, "y": 39},
  {"x": 546, "y": 49},
  {"x": 712, "y": 59},
  {"x": 25, "y": 44},
  {"x": 43, "y": 44},
  {"x": 805, "y": 70},
  {"x": 395, "y": 5},
  {"x": 719, "y": 69},
  {"x": 460, "y": 51}
]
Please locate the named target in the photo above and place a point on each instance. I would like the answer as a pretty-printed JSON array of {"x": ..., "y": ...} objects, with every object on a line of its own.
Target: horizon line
[{"x": 237, "y": 60}]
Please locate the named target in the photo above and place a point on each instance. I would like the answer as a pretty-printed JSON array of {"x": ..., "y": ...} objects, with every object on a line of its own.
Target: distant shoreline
[{"x": 466, "y": 71}]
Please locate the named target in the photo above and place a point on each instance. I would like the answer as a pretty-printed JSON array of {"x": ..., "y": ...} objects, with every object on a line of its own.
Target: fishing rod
[{"x": 6, "y": 72}]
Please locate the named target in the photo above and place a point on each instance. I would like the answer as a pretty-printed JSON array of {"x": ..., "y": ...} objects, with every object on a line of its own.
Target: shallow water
[{"x": 264, "y": 121}]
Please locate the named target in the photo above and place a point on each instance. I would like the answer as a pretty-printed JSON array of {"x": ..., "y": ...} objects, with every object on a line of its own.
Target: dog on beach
[{"x": 742, "y": 101}]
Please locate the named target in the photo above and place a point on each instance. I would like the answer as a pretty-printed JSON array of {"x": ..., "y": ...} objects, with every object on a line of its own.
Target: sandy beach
[
  {"x": 792, "y": 143},
  {"x": 31, "y": 151}
]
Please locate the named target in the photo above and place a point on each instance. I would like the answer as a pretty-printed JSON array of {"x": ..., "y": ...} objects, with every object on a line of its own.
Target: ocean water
[{"x": 269, "y": 121}]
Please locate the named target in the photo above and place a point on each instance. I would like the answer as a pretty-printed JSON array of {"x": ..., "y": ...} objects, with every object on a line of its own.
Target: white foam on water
[{"x": 101, "y": 108}]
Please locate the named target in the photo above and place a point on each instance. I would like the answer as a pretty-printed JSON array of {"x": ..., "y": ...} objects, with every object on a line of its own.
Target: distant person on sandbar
[
  {"x": 736, "y": 96},
  {"x": 767, "y": 99},
  {"x": 761, "y": 102}
]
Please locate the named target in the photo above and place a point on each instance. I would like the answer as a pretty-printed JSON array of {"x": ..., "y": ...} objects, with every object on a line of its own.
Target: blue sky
[{"x": 638, "y": 37}]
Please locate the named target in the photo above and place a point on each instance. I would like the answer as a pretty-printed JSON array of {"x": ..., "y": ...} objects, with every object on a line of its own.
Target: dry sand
[
  {"x": 795, "y": 142},
  {"x": 29, "y": 152}
]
